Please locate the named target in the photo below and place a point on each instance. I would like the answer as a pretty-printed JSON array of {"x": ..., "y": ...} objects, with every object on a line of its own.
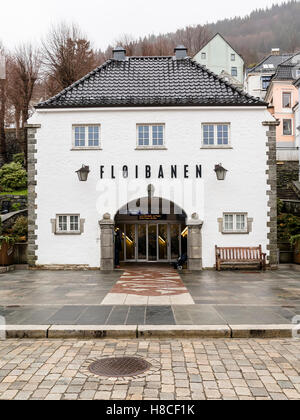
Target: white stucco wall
[
  {"x": 59, "y": 190},
  {"x": 253, "y": 85}
]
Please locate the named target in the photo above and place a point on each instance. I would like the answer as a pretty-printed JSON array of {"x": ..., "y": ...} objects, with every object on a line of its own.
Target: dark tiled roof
[
  {"x": 284, "y": 72},
  {"x": 297, "y": 82},
  {"x": 270, "y": 59},
  {"x": 150, "y": 81}
]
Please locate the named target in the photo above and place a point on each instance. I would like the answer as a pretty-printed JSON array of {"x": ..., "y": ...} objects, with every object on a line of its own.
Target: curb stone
[{"x": 147, "y": 331}]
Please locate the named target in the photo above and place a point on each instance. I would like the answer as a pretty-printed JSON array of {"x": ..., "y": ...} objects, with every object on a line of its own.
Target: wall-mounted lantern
[
  {"x": 221, "y": 172},
  {"x": 83, "y": 173}
]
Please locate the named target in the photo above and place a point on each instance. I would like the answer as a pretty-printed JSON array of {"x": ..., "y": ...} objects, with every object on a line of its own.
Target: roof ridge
[{"x": 114, "y": 84}]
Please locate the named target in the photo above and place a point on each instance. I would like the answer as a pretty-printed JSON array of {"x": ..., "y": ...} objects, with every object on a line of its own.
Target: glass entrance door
[
  {"x": 175, "y": 237},
  {"x": 142, "y": 242},
  {"x": 163, "y": 243},
  {"x": 151, "y": 242},
  {"x": 130, "y": 242}
]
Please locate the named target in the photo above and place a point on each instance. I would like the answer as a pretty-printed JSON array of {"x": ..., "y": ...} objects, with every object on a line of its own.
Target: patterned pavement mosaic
[
  {"x": 149, "y": 285},
  {"x": 181, "y": 369}
]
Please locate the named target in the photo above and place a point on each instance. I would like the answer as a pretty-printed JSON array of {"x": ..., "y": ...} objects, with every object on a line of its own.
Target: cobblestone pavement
[{"x": 183, "y": 369}]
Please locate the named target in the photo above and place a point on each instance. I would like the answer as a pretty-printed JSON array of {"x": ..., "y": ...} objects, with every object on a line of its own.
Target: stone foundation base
[
  {"x": 7, "y": 269},
  {"x": 65, "y": 267}
]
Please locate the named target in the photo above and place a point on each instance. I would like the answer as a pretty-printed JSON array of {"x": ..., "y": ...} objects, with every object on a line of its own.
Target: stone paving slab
[
  {"x": 221, "y": 298},
  {"x": 148, "y": 315},
  {"x": 193, "y": 369}
]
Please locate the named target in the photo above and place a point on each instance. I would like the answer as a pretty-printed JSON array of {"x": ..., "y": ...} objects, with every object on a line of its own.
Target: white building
[
  {"x": 151, "y": 131},
  {"x": 219, "y": 56},
  {"x": 258, "y": 78}
]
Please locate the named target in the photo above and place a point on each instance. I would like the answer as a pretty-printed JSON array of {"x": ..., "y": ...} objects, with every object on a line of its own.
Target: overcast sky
[{"x": 105, "y": 20}]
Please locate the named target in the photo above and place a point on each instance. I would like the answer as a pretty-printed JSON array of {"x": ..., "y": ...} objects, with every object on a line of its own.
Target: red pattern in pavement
[{"x": 144, "y": 281}]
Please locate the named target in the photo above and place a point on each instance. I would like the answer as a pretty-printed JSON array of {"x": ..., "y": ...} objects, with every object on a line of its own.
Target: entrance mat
[{"x": 149, "y": 286}]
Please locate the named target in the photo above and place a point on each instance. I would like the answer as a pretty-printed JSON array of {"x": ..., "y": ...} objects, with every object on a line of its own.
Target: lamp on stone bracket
[
  {"x": 83, "y": 173},
  {"x": 220, "y": 172}
]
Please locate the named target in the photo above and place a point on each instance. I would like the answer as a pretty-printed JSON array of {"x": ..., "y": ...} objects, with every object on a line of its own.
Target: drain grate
[{"x": 119, "y": 367}]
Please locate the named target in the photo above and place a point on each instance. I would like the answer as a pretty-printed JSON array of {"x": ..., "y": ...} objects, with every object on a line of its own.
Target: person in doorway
[{"x": 118, "y": 247}]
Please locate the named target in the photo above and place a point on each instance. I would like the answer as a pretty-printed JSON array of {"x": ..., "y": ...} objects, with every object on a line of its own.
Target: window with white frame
[
  {"x": 67, "y": 223},
  {"x": 232, "y": 57},
  {"x": 265, "y": 81},
  {"x": 235, "y": 222},
  {"x": 86, "y": 136},
  {"x": 203, "y": 56},
  {"x": 150, "y": 135},
  {"x": 215, "y": 135},
  {"x": 234, "y": 71},
  {"x": 287, "y": 127},
  {"x": 286, "y": 99}
]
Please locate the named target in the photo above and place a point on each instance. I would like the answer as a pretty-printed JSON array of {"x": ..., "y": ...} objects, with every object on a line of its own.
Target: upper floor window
[
  {"x": 232, "y": 57},
  {"x": 215, "y": 135},
  {"x": 203, "y": 56},
  {"x": 265, "y": 81},
  {"x": 287, "y": 127},
  {"x": 234, "y": 71},
  {"x": 150, "y": 135},
  {"x": 86, "y": 136},
  {"x": 286, "y": 99}
]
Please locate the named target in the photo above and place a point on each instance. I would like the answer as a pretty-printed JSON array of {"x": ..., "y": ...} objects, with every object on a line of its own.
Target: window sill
[
  {"x": 235, "y": 233},
  {"x": 86, "y": 148},
  {"x": 151, "y": 148},
  {"x": 216, "y": 147},
  {"x": 68, "y": 233}
]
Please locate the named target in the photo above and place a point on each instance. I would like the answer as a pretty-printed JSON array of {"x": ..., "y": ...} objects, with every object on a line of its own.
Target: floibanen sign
[{"x": 148, "y": 171}]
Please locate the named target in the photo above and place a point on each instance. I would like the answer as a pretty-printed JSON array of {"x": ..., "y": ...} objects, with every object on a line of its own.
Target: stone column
[
  {"x": 272, "y": 193},
  {"x": 194, "y": 243},
  {"x": 32, "y": 196},
  {"x": 107, "y": 243}
]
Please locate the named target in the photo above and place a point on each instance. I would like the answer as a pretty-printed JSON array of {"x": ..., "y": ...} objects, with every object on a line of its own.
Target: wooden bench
[{"x": 240, "y": 256}]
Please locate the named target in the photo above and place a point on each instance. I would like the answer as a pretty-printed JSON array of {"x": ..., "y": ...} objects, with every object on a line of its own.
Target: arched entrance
[{"x": 152, "y": 230}]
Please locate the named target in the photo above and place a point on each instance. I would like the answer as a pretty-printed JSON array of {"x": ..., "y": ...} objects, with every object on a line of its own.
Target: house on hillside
[
  {"x": 160, "y": 149},
  {"x": 282, "y": 95},
  {"x": 258, "y": 78},
  {"x": 221, "y": 58}
]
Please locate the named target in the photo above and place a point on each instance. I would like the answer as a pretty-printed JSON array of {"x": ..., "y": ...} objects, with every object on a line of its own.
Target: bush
[
  {"x": 19, "y": 158},
  {"x": 20, "y": 227},
  {"x": 288, "y": 226},
  {"x": 13, "y": 177},
  {"x": 16, "y": 207}
]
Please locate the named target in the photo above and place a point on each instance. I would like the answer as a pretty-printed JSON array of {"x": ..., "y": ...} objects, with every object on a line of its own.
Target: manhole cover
[{"x": 119, "y": 367}]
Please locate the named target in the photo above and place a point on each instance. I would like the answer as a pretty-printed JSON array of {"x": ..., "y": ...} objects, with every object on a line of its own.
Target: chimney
[
  {"x": 119, "y": 54},
  {"x": 180, "y": 52},
  {"x": 275, "y": 51}
]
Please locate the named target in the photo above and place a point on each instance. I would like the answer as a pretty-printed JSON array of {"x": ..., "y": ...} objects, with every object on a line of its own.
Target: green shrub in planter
[
  {"x": 20, "y": 227},
  {"x": 13, "y": 177}
]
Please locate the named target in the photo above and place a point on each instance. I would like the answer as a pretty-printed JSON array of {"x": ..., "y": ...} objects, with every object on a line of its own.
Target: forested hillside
[{"x": 253, "y": 36}]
